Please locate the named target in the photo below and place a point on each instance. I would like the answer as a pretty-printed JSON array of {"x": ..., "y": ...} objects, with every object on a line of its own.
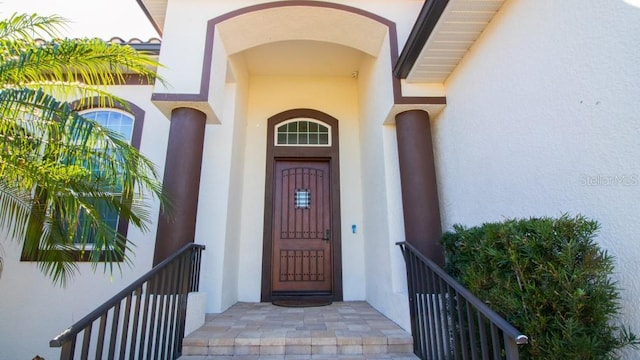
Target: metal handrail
[
  {"x": 430, "y": 317},
  {"x": 180, "y": 281}
]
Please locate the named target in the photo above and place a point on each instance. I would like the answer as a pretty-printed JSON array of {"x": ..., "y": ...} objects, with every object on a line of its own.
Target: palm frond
[
  {"x": 16, "y": 206},
  {"x": 68, "y": 62},
  {"x": 28, "y": 27}
]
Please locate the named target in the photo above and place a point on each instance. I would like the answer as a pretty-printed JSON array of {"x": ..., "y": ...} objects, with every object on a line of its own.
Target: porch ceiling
[
  {"x": 460, "y": 25},
  {"x": 302, "y": 58}
]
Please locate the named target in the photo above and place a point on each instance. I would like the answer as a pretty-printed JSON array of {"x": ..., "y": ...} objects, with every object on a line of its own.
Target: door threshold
[
  {"x": 301, "y": 303},
  {"x": 302, "y": 297}
]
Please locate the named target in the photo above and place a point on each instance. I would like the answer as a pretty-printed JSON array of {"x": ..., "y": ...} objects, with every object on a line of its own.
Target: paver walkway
[{"x": 343, "y": 330}]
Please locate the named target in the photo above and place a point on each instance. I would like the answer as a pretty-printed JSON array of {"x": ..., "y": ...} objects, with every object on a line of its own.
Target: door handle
[{"x": 327, "y": 235}]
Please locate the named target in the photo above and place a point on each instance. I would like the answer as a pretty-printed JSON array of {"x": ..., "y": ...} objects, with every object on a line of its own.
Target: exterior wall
[
  {"x": 234, "y": 206},
  {"x": 542, "y": 119},
  {"x": 218, "y": 223},
  {"x": 383, "y": 203},
  {"x": 32, "y": 311}
]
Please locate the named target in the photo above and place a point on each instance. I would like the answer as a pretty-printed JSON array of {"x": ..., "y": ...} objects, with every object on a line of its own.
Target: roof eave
[
  {"x": 156, "y": 25},
  {"x": 427, "y": 19}
]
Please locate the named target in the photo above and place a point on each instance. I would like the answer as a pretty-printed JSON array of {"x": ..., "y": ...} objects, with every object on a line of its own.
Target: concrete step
[
  {"x": 401, "y": 356},
  {"x": 344, "y": 330}
]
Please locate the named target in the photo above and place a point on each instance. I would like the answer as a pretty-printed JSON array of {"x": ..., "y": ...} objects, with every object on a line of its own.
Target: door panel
[{"x": 301, "y": 254}]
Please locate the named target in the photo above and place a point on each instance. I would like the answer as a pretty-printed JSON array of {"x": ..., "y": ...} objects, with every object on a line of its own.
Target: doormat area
[{"x": 301, "y": 303}]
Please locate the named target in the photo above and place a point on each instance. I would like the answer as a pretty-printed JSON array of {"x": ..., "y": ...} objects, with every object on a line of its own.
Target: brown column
[
  {"x": 181, "y": 181},
  {"x": 418, "y": 180}
]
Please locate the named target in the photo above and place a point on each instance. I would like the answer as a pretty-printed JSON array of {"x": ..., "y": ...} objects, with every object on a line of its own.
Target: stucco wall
[
  {"x": 234, "y": 206},
  {"x": 32, "y": 311},
  {"x": 383, "y": 224},
  {"x": 218, "y": 209},
  {"x": 542, "y": 118}
]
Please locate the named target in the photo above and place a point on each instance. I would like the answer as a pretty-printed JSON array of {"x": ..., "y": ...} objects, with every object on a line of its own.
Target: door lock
[{"x": 327, "y": 235}]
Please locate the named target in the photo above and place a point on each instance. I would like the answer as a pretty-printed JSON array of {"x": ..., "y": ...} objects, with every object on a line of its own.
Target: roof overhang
[
  {"x": 442, "y": 36},
  {"x": 155, "y": 10}
]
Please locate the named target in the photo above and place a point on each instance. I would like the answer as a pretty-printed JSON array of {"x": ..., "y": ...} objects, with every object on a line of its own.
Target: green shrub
[{"x": 549, "y": 279}]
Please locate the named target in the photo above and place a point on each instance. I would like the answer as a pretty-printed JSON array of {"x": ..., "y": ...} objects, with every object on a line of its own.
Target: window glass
[
  {"x": 307, "y": 132},
  {"x": 122, "y": 124},
  {"x": 113, "y": 120}
]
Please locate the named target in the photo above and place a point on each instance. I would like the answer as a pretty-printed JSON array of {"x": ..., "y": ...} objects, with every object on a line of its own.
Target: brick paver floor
[{"x": 343, "y": 330}]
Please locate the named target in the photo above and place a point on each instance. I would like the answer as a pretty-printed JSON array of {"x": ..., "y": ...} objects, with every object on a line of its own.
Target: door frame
[{"x": 302, "y": 153}]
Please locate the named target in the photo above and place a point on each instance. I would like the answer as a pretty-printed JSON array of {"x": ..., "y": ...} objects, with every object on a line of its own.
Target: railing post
[
  {"x": 511, "y": 348},
  {"x": 411, "y": 294},
  {"x": 68, "y": 349}
]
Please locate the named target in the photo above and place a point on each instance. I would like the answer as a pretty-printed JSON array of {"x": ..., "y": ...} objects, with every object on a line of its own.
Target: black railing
[
  {"x": 448, "y": 321},
  {"x": 144, "y": 321}
]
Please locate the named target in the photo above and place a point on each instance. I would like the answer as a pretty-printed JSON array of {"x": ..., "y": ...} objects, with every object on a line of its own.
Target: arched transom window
[{"x": 302, "y": 132}]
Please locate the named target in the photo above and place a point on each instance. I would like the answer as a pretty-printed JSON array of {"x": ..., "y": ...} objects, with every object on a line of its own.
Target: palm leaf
[
  {"x": 16, "y": 206},
  {"x": 76, "y": 68},
  {"x": 27, "y": 27}
]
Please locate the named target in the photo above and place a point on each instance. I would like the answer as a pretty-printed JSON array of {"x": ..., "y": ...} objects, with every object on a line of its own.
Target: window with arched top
[
  {"x": 302, "y": 132},
  {"x": 128, "y": 124}
]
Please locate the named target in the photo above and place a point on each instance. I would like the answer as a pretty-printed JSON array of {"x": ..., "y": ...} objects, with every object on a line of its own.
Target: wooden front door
[{"x": 301, "y": 257}]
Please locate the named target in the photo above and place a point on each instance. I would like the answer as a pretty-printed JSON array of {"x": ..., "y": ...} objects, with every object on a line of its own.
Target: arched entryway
[{"x": 302, "y": 240}]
